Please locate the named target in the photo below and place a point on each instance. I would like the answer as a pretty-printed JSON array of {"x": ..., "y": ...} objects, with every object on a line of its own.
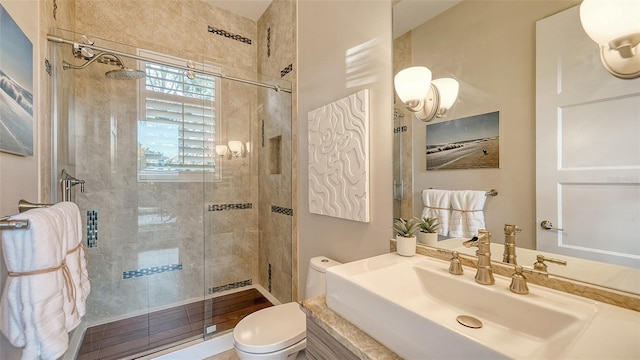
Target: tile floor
[{"x": 141, "y": 334}]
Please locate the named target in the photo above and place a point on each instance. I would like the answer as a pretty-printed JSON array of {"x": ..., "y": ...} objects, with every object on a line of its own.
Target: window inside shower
[{"x": 177, "y": 125}]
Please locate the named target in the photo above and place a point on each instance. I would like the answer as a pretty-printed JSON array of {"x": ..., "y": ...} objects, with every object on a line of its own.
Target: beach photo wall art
[
  {"x": 469, "y": 143},
  {"x": 16, "y": 88}
]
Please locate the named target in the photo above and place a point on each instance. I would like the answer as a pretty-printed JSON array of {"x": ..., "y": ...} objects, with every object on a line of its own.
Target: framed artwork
[
  {"x": 339, "y": 158},
  {"x": 468, "y": 143},
  {"x": 16, "y": 88}
]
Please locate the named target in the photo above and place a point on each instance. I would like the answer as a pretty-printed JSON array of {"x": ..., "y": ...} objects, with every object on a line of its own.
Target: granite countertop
[{"x": 354, "y": 339}]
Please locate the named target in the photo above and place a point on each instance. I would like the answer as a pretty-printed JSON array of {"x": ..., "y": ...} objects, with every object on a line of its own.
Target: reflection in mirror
[{"x": 490, "y": 48}]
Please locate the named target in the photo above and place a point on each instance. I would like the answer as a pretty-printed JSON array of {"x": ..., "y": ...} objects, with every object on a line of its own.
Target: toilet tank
[{"x": 315, "y": 285}]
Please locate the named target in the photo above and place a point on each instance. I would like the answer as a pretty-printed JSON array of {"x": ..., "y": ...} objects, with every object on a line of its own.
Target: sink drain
[{"x": 469, "y": 321}]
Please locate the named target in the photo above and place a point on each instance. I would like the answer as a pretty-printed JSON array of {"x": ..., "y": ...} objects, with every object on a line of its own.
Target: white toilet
[{"x": 279, "y": 332}]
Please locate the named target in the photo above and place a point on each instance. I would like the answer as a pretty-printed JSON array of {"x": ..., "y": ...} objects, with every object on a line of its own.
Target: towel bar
[
  {"x": 23, "y": 205},
  {"x": 492, "y": 192},
  {"x": 6, "y": 224}
]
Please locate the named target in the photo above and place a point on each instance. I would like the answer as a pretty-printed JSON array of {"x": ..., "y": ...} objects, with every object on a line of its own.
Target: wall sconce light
[
  {"x": 615, "y": 26},
  {"x": 236, "y": 148},
  {"x": 427, "y": 99},
  {"x": 222, "y": 150}
]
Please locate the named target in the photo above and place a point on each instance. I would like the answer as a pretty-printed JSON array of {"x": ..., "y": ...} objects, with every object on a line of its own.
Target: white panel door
[{"x": 587, "y": 148}]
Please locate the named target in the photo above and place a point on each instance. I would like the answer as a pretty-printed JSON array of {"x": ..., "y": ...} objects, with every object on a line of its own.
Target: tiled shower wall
[
  {"x": 276, "y": 58},
  {"x": 402, "y": 160},
  {"x": 106, "y": 113}
]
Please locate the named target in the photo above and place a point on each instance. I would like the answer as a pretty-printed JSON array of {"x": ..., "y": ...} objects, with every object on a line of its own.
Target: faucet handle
[
  {"x": 519, "y": 282},
  {"x": 455, "y": 267},
  {"x": 541, "y": 266}
]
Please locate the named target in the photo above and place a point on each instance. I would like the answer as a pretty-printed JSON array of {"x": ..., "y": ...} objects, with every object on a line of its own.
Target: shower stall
[{"x": 185, "y": 169}]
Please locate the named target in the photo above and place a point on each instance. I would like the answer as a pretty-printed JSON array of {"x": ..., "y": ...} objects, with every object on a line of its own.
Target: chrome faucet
[
  {"x": 484, "y": 275},
  {"x": 509, "y": 255}
]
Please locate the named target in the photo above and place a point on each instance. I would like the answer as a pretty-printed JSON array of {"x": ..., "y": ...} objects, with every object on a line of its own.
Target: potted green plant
[
  {"x": 428, "y": 234},
  {"x": 405, "y": 231}
]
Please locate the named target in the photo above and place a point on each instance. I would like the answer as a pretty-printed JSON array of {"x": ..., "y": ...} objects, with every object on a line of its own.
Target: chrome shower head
[{"x": 124, "y": 73}]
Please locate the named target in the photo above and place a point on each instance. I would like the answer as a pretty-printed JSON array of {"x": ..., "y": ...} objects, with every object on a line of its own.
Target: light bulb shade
[
  {"x": 448, "y": 89},
  {"x": 221, "y": 150},
  {"x": 235, "y": 146},
  {"x": 412, "y": 84},
  {"x": 608, "y": 20}
]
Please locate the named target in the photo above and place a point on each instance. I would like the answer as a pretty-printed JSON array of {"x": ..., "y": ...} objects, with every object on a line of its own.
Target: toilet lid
[{"x": 270, "y": 329}]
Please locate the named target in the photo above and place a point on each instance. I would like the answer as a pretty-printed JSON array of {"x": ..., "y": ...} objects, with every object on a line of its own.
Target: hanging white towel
[
  {"x": 467, "y": 215},
  {"x": 31, "y": 307},
  {"x": 76, "y": 261},
  {"x": 437, "y": 204}
]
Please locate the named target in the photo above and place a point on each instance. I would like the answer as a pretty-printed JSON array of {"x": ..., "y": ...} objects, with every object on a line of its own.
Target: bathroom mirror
[{"x": 490, "y": 48}]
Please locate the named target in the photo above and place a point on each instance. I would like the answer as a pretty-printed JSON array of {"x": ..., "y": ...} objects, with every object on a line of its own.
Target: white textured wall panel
[{"x": 339, "y": 158}]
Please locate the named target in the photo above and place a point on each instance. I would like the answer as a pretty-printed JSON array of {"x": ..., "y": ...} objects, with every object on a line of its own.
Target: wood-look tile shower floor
[{"x": 141, "y": 334}]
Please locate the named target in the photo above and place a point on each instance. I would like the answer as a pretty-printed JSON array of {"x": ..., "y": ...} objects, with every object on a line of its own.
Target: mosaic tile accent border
[
  {"x": 235, "y": 285},
  {"x": 281, "y": 210},
  {"x": 286, "y": 70},
  {"x": 150, "y": 271},
  {"x": 229, "y": 35},
  {"x": 92, "y": 228},
  {"x": 223, "y": 207}
]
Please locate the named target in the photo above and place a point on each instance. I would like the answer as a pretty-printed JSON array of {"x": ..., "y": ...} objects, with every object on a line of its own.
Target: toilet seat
[{"x": 270, "y": 329}]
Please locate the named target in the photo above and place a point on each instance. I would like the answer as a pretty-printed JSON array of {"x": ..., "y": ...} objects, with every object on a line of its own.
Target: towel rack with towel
[
  {"x": 23, "y": 205},
  {"x": 492, "y": 192}
]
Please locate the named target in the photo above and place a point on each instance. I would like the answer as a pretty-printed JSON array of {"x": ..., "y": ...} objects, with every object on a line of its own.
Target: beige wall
[
  {"x": 489, "y": 47},
  {"x": 327, "y": 32}
]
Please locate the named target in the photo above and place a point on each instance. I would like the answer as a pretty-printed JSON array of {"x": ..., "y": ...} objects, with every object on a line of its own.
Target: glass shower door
[{"x": 134, "y": 144}]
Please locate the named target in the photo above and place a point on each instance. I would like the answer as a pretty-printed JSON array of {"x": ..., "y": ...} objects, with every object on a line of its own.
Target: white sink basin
[{"x": 411, "y": 304}]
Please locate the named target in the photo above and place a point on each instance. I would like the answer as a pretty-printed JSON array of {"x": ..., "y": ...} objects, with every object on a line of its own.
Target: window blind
[{"x": 177, "y": 133}]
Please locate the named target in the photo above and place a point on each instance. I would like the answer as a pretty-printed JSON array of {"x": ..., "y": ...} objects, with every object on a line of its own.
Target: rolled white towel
[{"x": 76, "y": 261}]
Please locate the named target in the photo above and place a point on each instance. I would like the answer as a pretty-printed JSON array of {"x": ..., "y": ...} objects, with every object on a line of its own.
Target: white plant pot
[
  {"x": 429, "y": 239},
  {"x": 406, "y": 245}
]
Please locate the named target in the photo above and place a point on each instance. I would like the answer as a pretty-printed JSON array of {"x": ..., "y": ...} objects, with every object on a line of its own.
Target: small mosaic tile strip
[
  {"x": 234, "y": 285},
  {"x": 223, "y": 207},
  {"x": 286, "y": 70},
  {"x": 268, "y": 42},
  {"x": 47, "y": 67},
  {"x": 150, "y": 271},
  {"x": 229, "y": 35},
  {"x": 281, "y": 210},
  {"x": 92, "y": 228},
  {"x": 400, "y": 129}
]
